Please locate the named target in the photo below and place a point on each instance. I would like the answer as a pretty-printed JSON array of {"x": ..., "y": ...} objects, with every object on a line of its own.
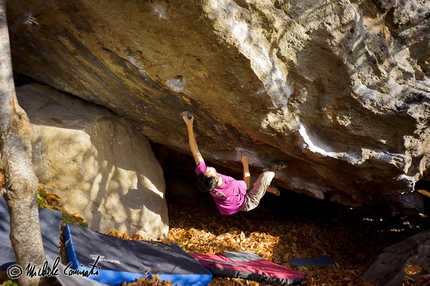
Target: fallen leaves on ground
[{"x": 199, "y": 228}]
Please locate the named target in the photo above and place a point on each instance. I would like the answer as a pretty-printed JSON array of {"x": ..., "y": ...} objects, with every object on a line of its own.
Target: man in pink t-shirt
[{"x": 230, "y": 195}]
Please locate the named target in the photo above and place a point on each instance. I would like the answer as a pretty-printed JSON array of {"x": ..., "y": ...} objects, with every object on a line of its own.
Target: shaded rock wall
[
  {"x": 99, "y": 164},
  {"x": 339, "y": 89},
  {"x": 408, "y": 258}
]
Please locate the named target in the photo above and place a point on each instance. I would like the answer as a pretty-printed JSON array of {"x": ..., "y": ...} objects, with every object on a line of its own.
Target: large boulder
[
  {"x": 339, "y": 89},
  {"x": 407, "y": 260},
  {"x": 98, "y": 163}
]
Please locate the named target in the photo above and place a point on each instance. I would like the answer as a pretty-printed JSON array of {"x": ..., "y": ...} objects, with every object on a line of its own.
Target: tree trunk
[{"x": 21, "y": 182}]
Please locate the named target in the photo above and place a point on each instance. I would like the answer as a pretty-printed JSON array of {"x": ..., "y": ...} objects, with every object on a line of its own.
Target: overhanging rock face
[{"x": 341, "y": 90}]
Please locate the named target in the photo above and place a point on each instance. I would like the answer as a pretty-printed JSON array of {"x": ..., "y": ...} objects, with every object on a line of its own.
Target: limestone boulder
[
  {"x": 99, "y": 164},
  {"x": 339, "y": 89}
]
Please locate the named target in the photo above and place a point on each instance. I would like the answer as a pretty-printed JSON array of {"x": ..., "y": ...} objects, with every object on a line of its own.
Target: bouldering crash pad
[
  {"x": 320, "y": 261},
  {"x": 250, "y": 266},
  {"x": 113, "y": 260},
  {"x": 50, "y": 225}
]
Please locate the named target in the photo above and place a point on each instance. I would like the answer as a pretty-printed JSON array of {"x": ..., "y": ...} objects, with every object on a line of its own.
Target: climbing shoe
[
  {"x": 278, "y": 166},
  {"x": 274, "y": 190}
]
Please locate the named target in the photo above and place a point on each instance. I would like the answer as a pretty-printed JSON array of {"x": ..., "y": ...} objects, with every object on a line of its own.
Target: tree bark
[{"x": 21, "y": 181}]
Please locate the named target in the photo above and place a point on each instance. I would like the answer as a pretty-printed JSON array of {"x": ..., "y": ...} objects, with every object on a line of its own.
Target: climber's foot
[
  {"x": 273, "y": 190},
  {"x": 278, "y": 166}
]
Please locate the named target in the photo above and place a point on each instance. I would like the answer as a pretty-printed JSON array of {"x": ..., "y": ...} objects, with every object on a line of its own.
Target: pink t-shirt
[{"x": 230, "y": 196}]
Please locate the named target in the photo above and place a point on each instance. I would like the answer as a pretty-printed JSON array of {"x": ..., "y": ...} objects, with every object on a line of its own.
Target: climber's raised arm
[
  {"x": 244, "y": 158},
  {"x": 189, "y": 121}
]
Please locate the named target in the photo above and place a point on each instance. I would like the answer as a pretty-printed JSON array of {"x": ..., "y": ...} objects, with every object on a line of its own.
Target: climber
[{"x": 231, "y": 195}]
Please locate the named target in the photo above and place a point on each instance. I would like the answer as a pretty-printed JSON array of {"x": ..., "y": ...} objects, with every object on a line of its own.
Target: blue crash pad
[
  {"x": 50, "y": 225},
  {"x": 320, "y": 261},
  {"x": 121, "y": 260}
]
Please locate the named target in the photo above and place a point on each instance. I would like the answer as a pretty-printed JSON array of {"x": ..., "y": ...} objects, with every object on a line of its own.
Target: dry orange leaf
[
  {"x": 2, "y": 180},
  {"x": 413, "y": 269}
]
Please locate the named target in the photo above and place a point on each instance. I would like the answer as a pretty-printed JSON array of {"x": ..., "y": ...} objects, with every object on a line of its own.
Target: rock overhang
[{"x": 341, "y": 90}]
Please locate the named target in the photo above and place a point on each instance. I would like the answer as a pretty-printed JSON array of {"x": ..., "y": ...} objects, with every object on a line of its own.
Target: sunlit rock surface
[
  {"x": 98, "y": 163},
  {"x": 339, "y": 89}
]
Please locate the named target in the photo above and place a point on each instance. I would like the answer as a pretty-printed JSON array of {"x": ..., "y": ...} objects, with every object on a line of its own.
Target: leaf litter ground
[
  {"x": 280, "y": 229},
  {"x": 287, "y": 227}
]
